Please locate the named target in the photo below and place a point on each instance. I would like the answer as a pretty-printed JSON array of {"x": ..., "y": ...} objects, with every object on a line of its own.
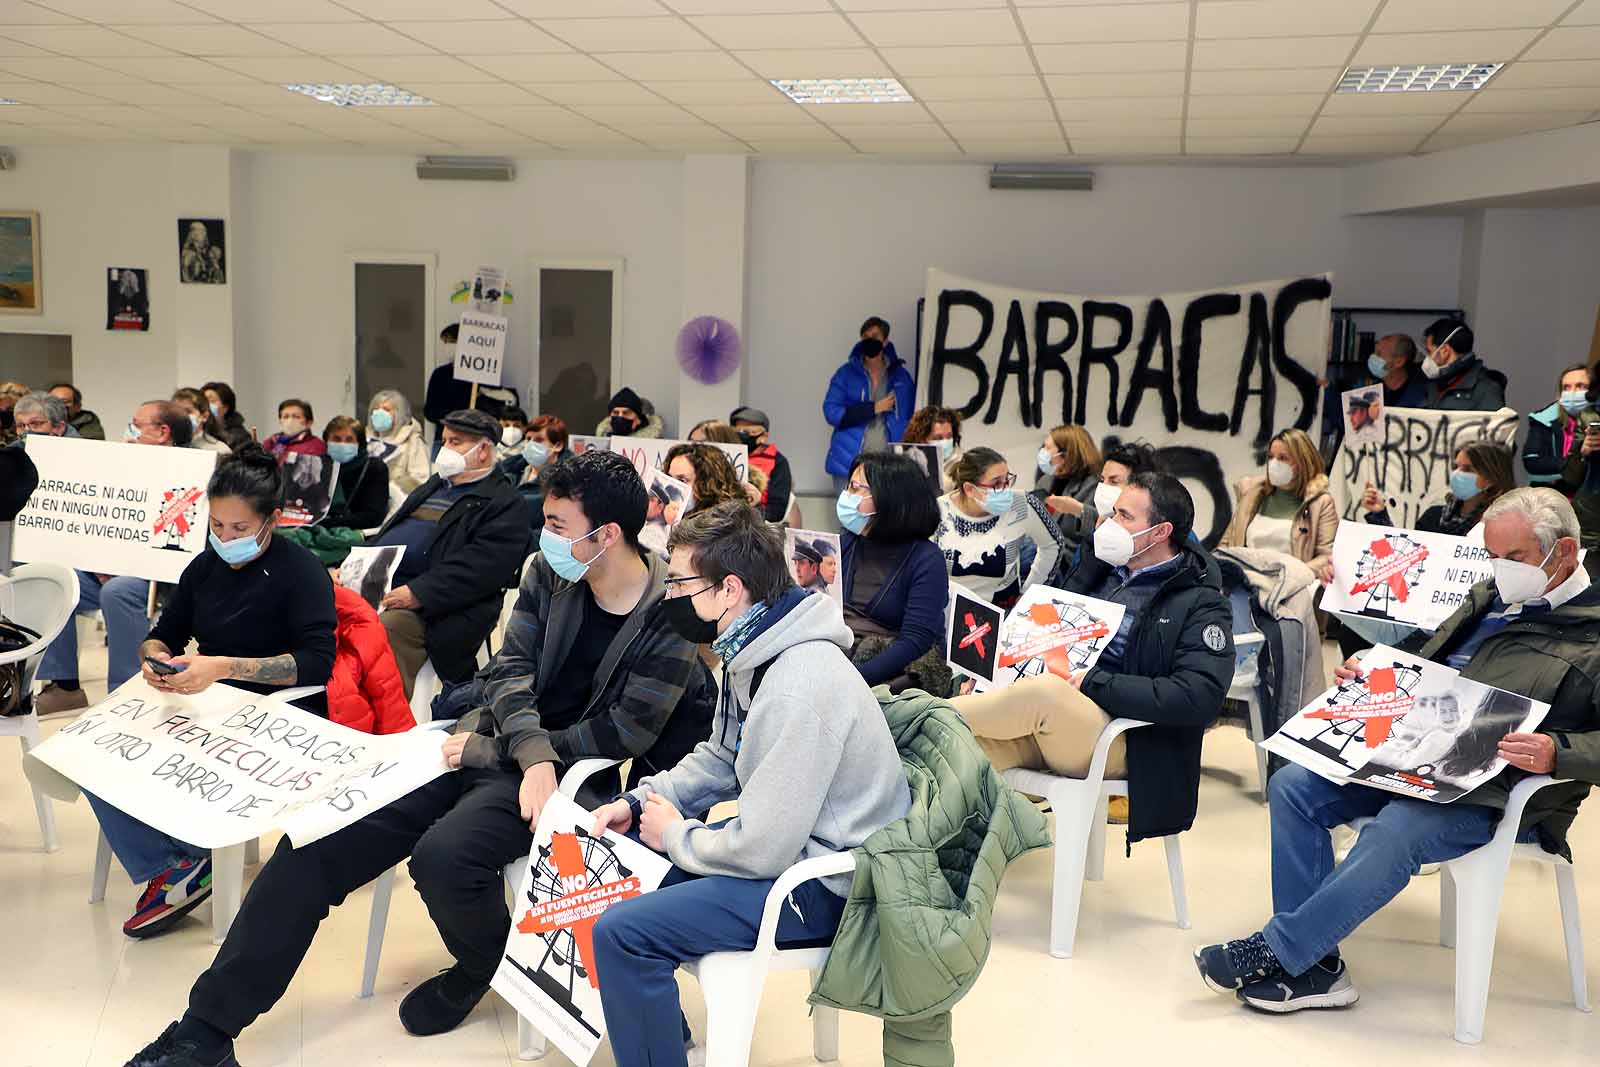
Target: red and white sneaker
[{"x": 169, "y": 897}]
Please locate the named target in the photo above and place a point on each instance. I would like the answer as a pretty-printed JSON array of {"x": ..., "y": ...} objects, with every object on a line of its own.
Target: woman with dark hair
[
  {"x": 1556, "y": 432},
  {"x": 260, "y": 610},
  {"x": 984, "y": 524},
  {"x": 1482, "y": 474},
  {"x": 1069, "y": 472},
  {"x": 709, "y": 472},
  {"x": 294, "y": 431},
  {"x": 894, "y": 581},
  {"x": 361, "y": 495},
  {"x": 224, "y": 407},
  {"x": 544, "y": 447},
  {"x": 206, "y": 428}
]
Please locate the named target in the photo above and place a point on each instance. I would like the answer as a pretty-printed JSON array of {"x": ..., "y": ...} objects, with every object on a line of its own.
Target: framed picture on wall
[
  {"x": 21, "y": 291},
  {"x": 202, "y": 252}
]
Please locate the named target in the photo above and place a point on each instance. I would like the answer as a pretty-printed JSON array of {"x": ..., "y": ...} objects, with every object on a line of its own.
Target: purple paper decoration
[{"x": 708, "y": 349}]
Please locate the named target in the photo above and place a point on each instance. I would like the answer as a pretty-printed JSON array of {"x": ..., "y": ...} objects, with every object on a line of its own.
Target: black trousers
[{"x": 460, "y": 831}]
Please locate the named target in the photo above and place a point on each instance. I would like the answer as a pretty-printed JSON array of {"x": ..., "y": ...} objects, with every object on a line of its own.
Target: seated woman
[
  {"x": 224, "y": 408},
  {"x": 361, "y": 497},
  {"x": 513, "y": 428},
  {"x": 260, "y": 610},
  {"x": 983, "y": 524},
  {"x": 397, "y": 440},
  {"x": 935, "y": 426},
  {"x": 715, "y": 431},
  {"x": 1555, "y": 433},
  {"x": 1482, "y": 473},
  {"x": 895, "y": 582},
  {"x": 1069, "y": 471},
  {"x": 544, "y": 447},
  {"x": 709, "y": 472},
  {"x": 1288, "y": 509},
  {"x": 194, "y": 404},
  {"x": 294, "y": 432}
]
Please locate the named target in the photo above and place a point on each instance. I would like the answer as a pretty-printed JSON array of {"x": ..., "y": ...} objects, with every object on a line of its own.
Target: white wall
[{"x": 831, "y": 243}]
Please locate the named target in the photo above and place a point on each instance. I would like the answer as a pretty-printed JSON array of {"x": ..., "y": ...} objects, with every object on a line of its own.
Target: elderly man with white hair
[{"x": 1534, "y": 629}]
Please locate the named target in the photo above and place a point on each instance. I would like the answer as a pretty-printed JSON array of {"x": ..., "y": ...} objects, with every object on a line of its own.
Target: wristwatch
[{"x": 634, "y": 806}]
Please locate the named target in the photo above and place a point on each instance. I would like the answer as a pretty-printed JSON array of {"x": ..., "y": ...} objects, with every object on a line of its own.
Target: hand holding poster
[
  {"x": 1407, "y": 726},
  {"x": 1410, "y": 464},
  {"x": 1056, "y": 631},
  {"x": 308, "y": 483},
  {"x": 1363, "y": 415},
  {"x": 814, "y": 561},
  {"x": 122, "y": 509},
  {"x": 972, "y": 635},
  {"x": 369, "y": 570},
  {"x": 223, "y": 765},
  {"x": 667, "y": 499},
  {"x": 548, "y": 973}
]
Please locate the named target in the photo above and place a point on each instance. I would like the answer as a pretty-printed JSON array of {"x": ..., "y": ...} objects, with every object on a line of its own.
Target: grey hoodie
[{"x": 812, "y": 764}]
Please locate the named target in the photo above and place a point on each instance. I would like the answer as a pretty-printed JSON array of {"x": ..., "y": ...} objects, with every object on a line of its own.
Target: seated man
[
  {"x": 589, "y": 668},
  {"x": 799, "y": 742},
  {"x": 1529, "y": 631},
  {"x": 1170, "y": 663},
  {"x": 465, "y": 535}
]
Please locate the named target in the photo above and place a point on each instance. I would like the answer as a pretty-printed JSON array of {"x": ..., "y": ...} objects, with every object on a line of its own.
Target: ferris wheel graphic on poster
[
  {"x": 1389, "y": 568},
  {"x": 1028, "y": 629},
  {"x": 1343, "y": 712}
]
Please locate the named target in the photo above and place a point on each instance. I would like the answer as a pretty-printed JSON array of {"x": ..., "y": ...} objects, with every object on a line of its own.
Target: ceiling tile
[
  {"x": 896, "y": 28},
  {"x": 1426, "y": 16},
  {"x": 1509, "y": 124},
  {"x": 1587, "y": 14},
  {"x": 915, "y": 5},
  {"x": 125, "y": 10},
  {"x": 65, "y": 71},
  {"x": 565, "y": 67},
  {"x": 210, "y": 39},
  {"x": 350, "y": 38},
  {"x": 632, "y": 114},
  {"x": 1149, "y": 107},
  {"x": 1380, "y": 144},
  {"x": 678, "y": 66},
  {"x": 20, "y": 13},
  {"x": 1242, "y": 106},
  {"x": 752, "y": 90},
  {"x": 1125, "y": 146},
  {"x": 1558, "y": 74},
  {"x": 41, "y": 94},
  {"x": 82, "y": 42},
  {"x": 559, "y": 9},
  {"x": 1013, "y": 149},
  {"x": 1005, "y": 131},
  {"x": 1568, "y": 42},
  {"x": 1281, "y": 18},
  {"x": 1443, "y": 142},
  {"x": 486, "y": 94},
  {"x": 1111, "y": 58},
  {"x": 784, "y": 114},
  {"x": 995, "y": 87},
  {"x": 778, "y": 31},
  {"x": 1122, "y": 127},
  {"x": 746, "y": 7},
  {"x": 1268, "y": 53},
  {"x": 1393, "y": 103},
  {"x": 1107, "y": 22},
  {"x": 290, "y": 70},
  {"x": 877, "y": 133},
  {"x": 1267, "y": 126},
  {"x": 524, "y": 116},
  {"x": 114, "y": 115},
  {"x": 816, "y": 63},
  {"x": 856, "y": 114},
  {"x": 176, "y": 70},
  {"x": 574, "y": 93},
  {"x": 1290, "y": 80},
  {"x": 403, "y": 70},
  {"x": 1497, "y": 99},
  {"x": 588, "y": 136},
  {"x": 397, "y": 10},
  {"x": 969, "y": 110},
  {"x": 497, "y": 36},
  {"x": 1239, "y": 146},
  {"x": 246, "y": 93},
  {"x": 1074, "y": 86},
  {"x": 802, "y": 149},
  {"x": 18, "y": 50},
  {"x": 248, "y": 11},
  {"x": 1351, "y": 125},
  {"x": 759, "y": 131},
  {"x": 627, "y": 34},
  {"x": 1468, "y": 46},
  {"x": 963, "y": 59}
]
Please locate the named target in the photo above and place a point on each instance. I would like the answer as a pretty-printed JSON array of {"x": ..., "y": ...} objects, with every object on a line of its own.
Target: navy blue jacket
[
  {"x": 848, "y": 407},
  {"x": 911, "y": 604}
]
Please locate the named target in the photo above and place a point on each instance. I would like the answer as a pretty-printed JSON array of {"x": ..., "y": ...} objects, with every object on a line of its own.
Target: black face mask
[
  {"x": 750, "y": 439},
  {"x": 680, "y": 615},
  {"x": 621, "y": 425}
]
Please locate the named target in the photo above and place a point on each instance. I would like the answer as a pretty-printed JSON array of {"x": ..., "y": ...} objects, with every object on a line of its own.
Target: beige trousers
[
  {"x": 406, "y": 636},
  {"x": 1042, "y": 723}
]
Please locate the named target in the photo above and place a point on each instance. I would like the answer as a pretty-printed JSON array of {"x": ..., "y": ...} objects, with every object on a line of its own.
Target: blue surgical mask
[
  {"x": 558, "y": 553},
  {"x": 947, "y": 448},
  {"x": 380, "y": 420},
  {"x": 240, "y": 550},
  {"x": 343, "y": 451},
  {"x": 848, "y": 509},
  {"x": 1047, "y": 461},
  {"x": 1000, "y": 501},
  {"x": 1464, "y": 485},
  {"x": 1377, "y": 366},
  {"x": 1575, "y": 402},
  {"x": 216, "y": 411},
  {"x": 536, "y": 453}
]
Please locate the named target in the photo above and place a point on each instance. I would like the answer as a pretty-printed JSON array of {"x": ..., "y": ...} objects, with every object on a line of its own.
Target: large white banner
[
  {"x": 225, "y": 765},
  {"x": 548, "y": 972},
  {"x": 1411, "y": 461},
  {"x": 1208, "y": 377},
  {"x": 113, "y": 508}
]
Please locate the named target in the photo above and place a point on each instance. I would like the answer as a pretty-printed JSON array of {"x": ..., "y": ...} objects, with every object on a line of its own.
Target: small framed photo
[
  {"x": 202, "y": 252},
  {"x": 21, "y": 290}
]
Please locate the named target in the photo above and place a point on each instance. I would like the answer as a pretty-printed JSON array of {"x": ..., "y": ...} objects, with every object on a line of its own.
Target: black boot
[
  {"x": 177, "y": 1047},
  {"x": 440, "y": 1004}
]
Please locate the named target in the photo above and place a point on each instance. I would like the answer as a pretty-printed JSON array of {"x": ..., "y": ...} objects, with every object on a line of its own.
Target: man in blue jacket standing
[{"x": 869, "y": 400}]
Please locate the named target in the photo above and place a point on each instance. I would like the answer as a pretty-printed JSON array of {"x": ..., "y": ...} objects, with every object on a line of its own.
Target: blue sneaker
[
  {"x": 169, "y": 897},
  {"x": 1230, "y": 967},
  {"x": 1325, "y": 985}
]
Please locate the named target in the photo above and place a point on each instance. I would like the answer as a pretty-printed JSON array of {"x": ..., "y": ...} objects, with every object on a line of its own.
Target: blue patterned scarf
[{"x": 735, "y": 637}]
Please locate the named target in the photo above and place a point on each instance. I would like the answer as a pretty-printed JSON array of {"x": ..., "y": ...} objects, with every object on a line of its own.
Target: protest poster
[
  {"x": 225, "y": 765},
  {"x": 308, "y": 483},
  {"x": 369, "y": 570},
  {"x": 127, "y": 299},
  {"x": 1411, "y": 464},
  {"x": 1403, "y": 576},
  {"x": 926, "y": 457},
  {"x": 972, "y": 634},
  {"x": 581, "y": 443},
  {"x": 1056, "y": 631},
  {"x": 488, "y": 287},
  {"x": 667, "y": 499},
  {"x": 115, "y": 508},
  {"x": 647, "y": 452},
  {"x": 1208, "y": 377},
  {"x": 548, "y": 972},
  {"x": 480, "y": 348},
  {"x": 814, "y": 561},
  {"x": 1407, "y": 726},
  {"x": 1363, "y": 415}
]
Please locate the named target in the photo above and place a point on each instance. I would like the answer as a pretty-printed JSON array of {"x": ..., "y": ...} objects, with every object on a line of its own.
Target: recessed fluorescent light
[
  {"x": 361, "y": 95},
  {"x": 10, "y": 103},
  {"x": 843, "y": 90},
  {"x": 1418, "y": 77}
]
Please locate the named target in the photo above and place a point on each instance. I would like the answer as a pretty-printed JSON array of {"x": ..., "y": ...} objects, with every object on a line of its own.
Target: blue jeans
[
  {"x": 143, "y": 851},
  {"x": 639, "y": 943},
  {"x": 1317, "y": 905},
  {"x": 123, "y": 602}
]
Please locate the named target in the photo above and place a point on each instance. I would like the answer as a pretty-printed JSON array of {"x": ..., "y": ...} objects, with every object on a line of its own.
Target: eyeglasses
[
  {"x": 1003, "y": 483},
  {"x": 675, "y": 585},
  {"x": 34, "y": 425},
  {"x": 859, "y": 489}
]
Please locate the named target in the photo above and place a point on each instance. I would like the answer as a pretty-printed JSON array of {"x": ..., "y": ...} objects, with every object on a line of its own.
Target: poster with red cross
[
  {"x": 1407, "y": 725},
  {"x": 1403, "y": 576},
  {"x": 548, "y": 972},
  {"x": 1052, "y": 630}
]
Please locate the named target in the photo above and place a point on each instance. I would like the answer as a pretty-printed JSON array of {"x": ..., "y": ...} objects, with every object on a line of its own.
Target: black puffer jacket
[
  {"x": 1176, "y": 671},
  {"x": 1468, "y": 386}
]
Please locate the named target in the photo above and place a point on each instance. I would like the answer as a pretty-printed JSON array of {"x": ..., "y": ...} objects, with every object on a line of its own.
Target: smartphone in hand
[{"x": 161, "y": 667}]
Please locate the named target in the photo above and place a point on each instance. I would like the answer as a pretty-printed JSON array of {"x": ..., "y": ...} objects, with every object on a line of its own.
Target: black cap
[
  {"x": 627, "y": 398},
  {"x": 804, "y": 549},
  {"x": 477, "y": 423},
  {"x": 749, "y": 414},
  {"x": 823, "y": 548}
]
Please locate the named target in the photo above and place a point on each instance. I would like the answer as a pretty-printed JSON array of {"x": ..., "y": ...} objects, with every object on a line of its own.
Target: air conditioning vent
[
  {"x": 1039, "y": 176},
  {"x": 465, "y": 169}
]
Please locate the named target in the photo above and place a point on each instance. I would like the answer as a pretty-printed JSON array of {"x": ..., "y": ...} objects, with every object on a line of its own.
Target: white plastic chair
[
  {"x": 733, "y": 981},
  {"x": 423, "y": 690},
  {"x": 1470, "y": 890},
  {"x": 1080, "y": 807},
  {"x": 1246, "y": 677},
  {"x": 42, "y": 597},
  {"x": 530, "y": 1043}
]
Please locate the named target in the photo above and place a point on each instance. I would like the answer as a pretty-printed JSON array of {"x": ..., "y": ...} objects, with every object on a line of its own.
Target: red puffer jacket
[{"x": 365, "y": 692}]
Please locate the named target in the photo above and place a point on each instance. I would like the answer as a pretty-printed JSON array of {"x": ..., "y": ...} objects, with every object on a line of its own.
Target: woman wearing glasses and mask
[
  {"x": 983, "y": 525},
  {"x": 259, "y": 609}
]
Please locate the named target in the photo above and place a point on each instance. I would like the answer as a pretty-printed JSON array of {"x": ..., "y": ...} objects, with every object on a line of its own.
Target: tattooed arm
[
  {"x": 198, "y": 673},
  {"x": 275, "y": 670}
]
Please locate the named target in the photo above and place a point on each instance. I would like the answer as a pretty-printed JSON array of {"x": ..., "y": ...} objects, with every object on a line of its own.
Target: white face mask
[
  {"x": 1113, "y": 543},
  {"x": 1520, "y": 582},
  {"x": 1105, "y": 497},
  {"x": 1280, "y": 474},
  {"x": 450, "y": 463},
  {"x": 511, "y": 437},
  {"x": 292, "y": 427},
  {"x": 1430, "y": 369}
]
